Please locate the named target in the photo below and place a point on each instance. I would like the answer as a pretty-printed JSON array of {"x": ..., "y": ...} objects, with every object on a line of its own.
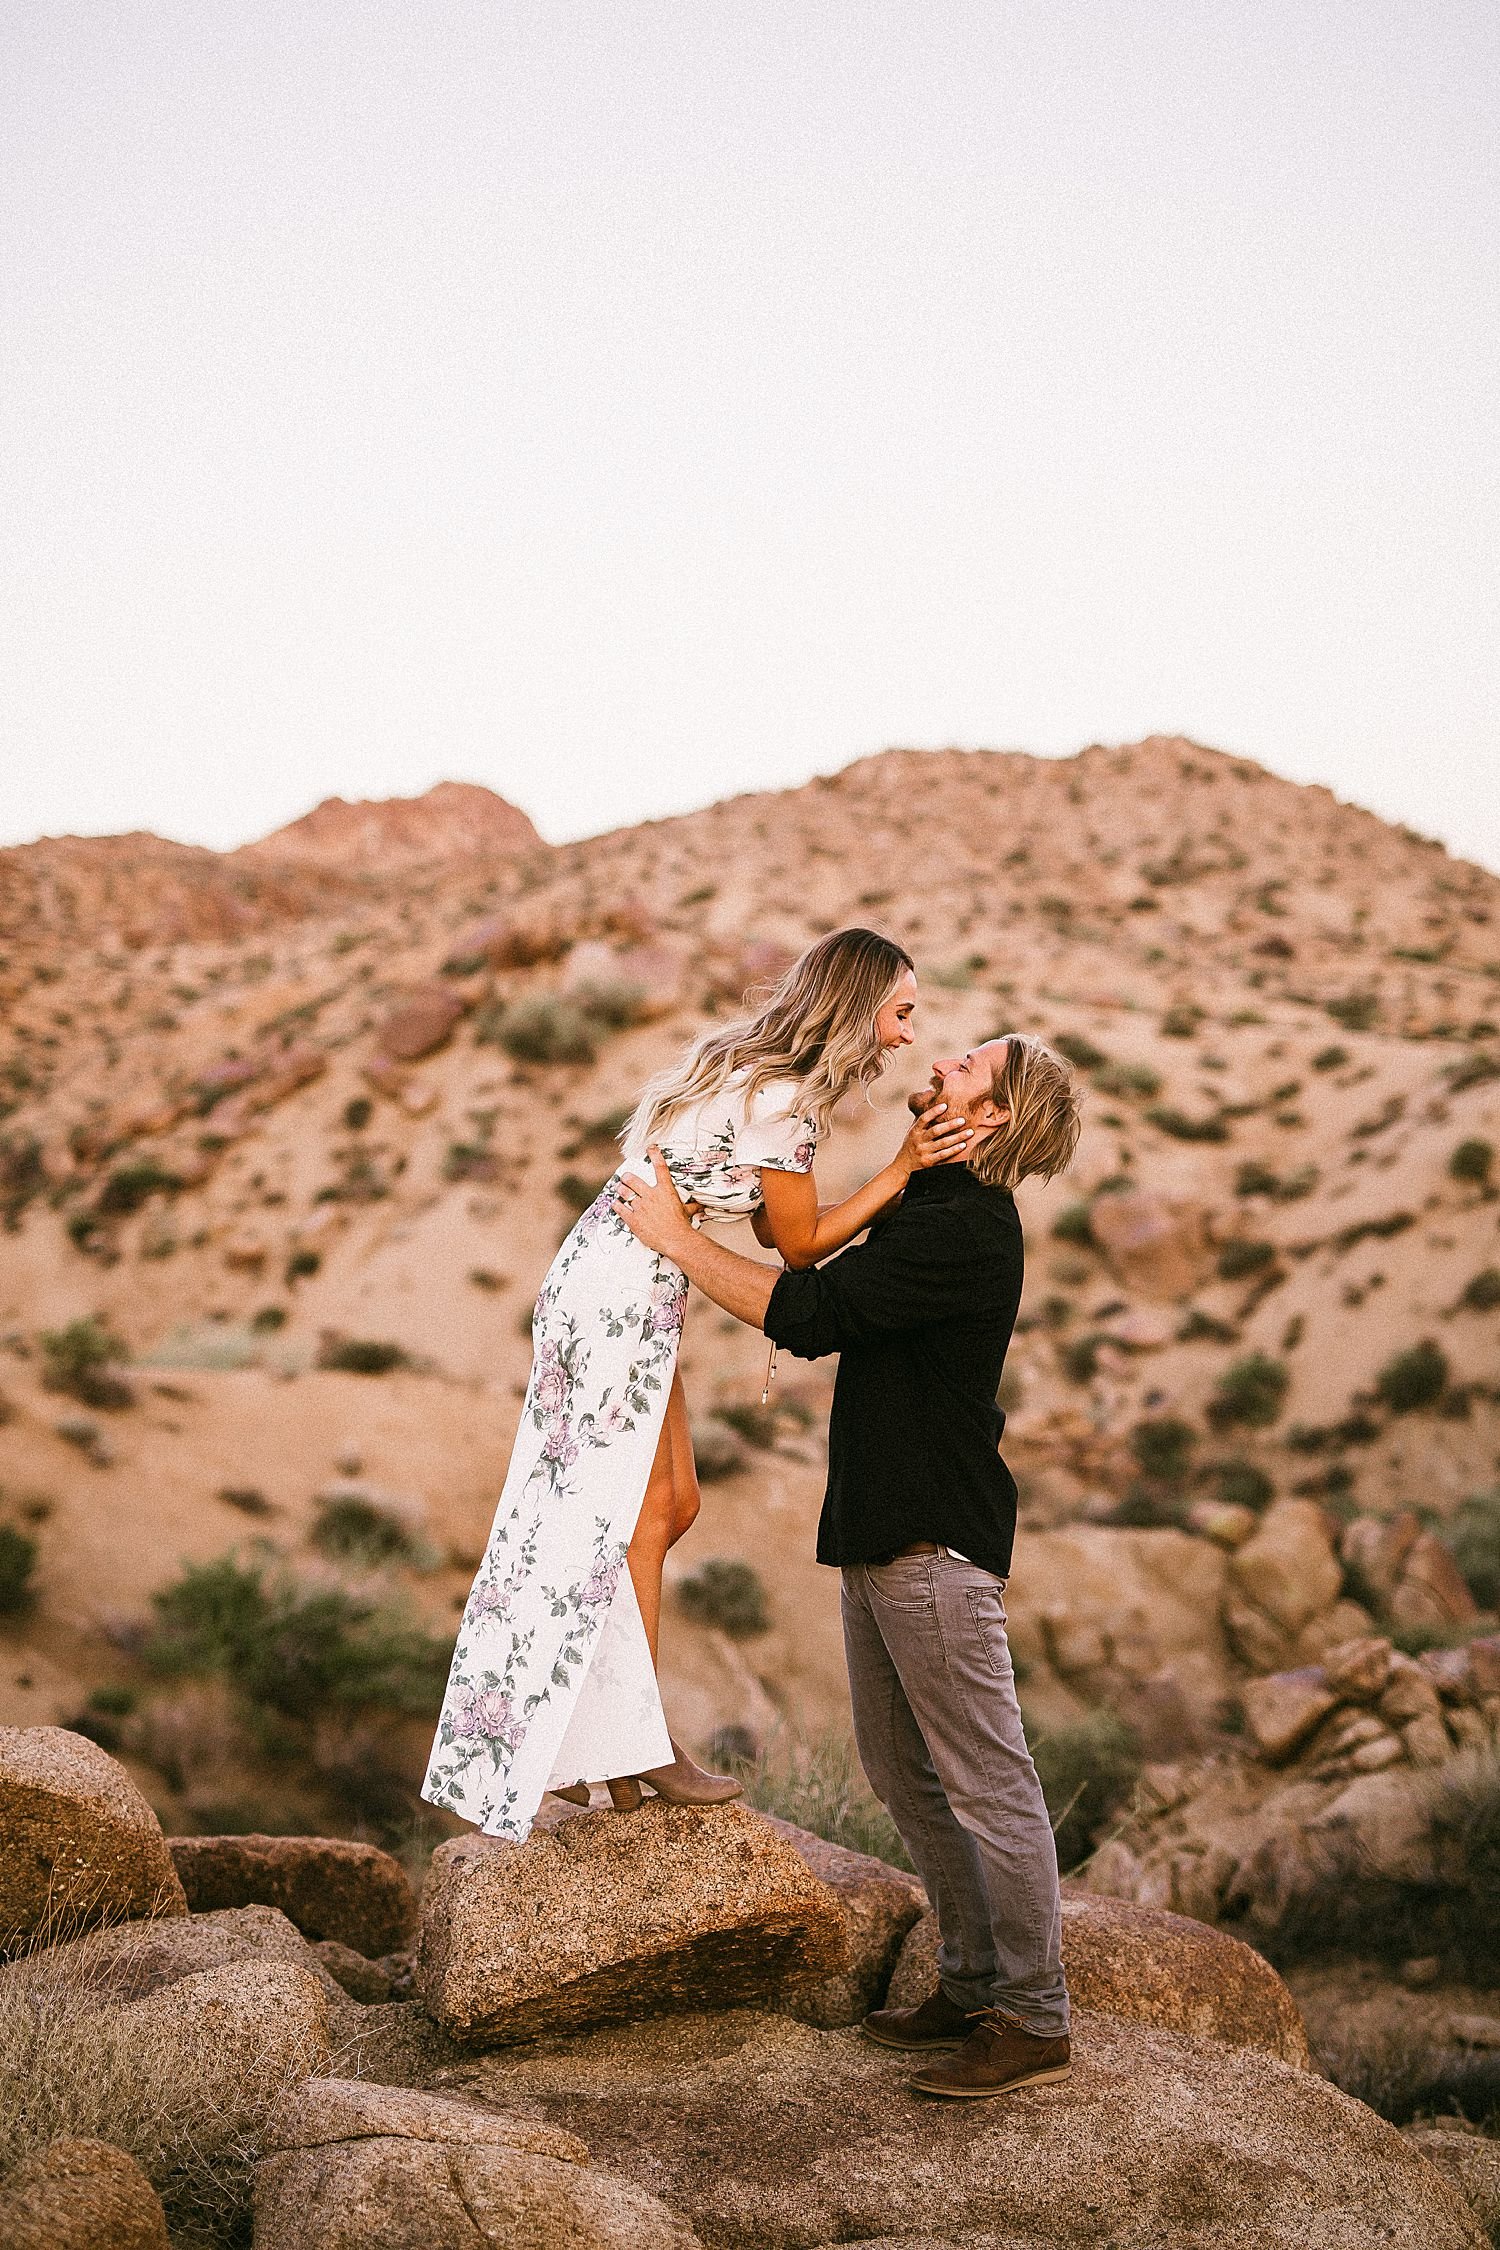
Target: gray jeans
[{"x": 940, "y": 1737}]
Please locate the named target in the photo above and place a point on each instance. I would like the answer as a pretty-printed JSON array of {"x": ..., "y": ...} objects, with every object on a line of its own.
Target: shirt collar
[{"x": 941, "y": 1182}]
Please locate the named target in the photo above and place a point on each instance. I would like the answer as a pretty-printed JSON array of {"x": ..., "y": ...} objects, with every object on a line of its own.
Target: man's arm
[{"x": 655, "y": 1216}]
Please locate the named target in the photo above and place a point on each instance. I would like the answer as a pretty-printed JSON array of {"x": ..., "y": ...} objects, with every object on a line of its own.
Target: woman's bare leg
[{"x": 670, "y": 1505}]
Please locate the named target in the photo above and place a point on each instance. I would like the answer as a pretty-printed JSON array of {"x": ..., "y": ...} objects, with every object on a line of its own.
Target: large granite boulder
[
  {"x": 767, "y": 2134},
  {"x": 81, "y": 1844},
  {"x": 328, "y": 1886},
  {"x": 349, "y": 2166},
  {"x": 1144, "y": 1964},
  {"x": 129, "y": 1960},
  {"x": 879, "y": 1904},
  {"x": 1470, "y": 2162},
  {"x": 80, "y": 2195},
  {"x": 606, "y": 1917}
]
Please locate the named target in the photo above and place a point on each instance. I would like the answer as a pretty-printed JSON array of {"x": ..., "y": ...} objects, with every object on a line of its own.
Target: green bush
[
  {"x": 349, "y": 1528},
  {"x": 78, "y": 1360},
  {"x": 302, "y": 1265},
  {"x": 1080, "y": 1051},
  {"x": 1413, "y": 1379},
  {"x": 1356, "y": 1011},
  {"x": 1482, "y": 1293},
  {"x": 17, "y": 1562},
  {"x": 727, "y": 1593},
  {"x": 1127, "y": 1078},
  {"x": 268, "y": 1319},
  {"x": 1242, "y": 1484},
  {"x": 541, "y": 1030},
  {"x": 1471, "y": 1162},
  {"x": 1163, "y": 1447},
  {"x": 1087, "y": 1772},
  {"x": 1182, "y": 1021},
  {"x": 1080, "y": 1359},
  {"x": 132, "y": 1185},
  {"x": 1250, "y": 1392},
  {"x": 1074, "y": 1223},
  {"x": 357, "y": 1113},
  {"x": 1472, "y": 1536},
  {"x": 294, "y": 1648},
  {"x": 577, "y": 1191},
  {"x": 1168, "y": 1119},
  {"x": 356, "y": 1355},
  {"x": 1330, "y": 1058},
  {"x": 1237, "y": 1259},
  {"x": 1256, "y": 1179},
  {"x": 755, "y": 1423}
]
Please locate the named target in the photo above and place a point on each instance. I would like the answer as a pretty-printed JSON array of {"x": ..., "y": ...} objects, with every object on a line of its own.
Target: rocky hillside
[{"x": 298, "y": 1129}]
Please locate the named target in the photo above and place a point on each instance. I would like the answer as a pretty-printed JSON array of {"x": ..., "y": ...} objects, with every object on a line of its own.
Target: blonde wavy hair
[
  {"x": 817, "y": 1026},
  {"x": 1041, "y": 1093}
]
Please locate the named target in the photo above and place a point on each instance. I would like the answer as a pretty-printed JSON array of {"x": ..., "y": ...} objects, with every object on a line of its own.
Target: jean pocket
[
  {"x": 987, "y": 1610},
  {"x": 904, "y": 1584}
]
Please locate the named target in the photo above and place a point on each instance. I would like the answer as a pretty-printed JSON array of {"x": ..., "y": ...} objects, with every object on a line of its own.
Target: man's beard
[{"x": 925, "y": 1096}]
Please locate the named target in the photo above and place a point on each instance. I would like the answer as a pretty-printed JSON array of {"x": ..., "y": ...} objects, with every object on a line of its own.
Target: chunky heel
[{"x": 625, "y": 1794}]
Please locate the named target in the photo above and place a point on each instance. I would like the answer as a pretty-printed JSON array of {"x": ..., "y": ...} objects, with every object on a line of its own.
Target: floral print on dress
[{"x": 552, "y": 1679}]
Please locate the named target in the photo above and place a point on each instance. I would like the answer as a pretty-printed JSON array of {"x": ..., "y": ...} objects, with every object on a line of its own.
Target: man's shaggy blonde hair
[{"x": 1041, "y": 1093}]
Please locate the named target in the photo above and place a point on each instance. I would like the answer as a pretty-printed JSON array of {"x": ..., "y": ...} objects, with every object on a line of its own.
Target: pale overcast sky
[{"x": 626, "y": 402}]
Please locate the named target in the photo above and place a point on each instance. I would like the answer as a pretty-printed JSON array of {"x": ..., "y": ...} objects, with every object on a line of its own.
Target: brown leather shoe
[
  {"x": 999, "y": 2054},
  {"x": 938, "y": 2022},
  {"x": 685, "y": 1782}
]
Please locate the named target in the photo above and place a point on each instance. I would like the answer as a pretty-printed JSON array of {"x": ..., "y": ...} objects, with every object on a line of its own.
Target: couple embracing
[{"x": 554, "y": 1684}]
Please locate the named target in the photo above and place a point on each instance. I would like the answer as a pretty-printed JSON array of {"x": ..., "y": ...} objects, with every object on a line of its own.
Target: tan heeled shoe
[
  {"x": 684, "y": 1782},
  {"x": 575, "y": 1793},
  {"x": 625, "y": 1793}
]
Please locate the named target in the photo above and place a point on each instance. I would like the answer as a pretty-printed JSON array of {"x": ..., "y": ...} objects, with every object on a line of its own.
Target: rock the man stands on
[{"x": 919, "y": 1517}]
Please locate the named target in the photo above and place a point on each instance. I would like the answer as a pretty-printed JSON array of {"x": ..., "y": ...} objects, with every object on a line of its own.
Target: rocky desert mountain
[{"x": 296, "y": 1130}]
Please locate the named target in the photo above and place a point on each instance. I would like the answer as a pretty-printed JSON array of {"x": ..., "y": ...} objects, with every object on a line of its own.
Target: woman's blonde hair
[
  {"x": 1041, "y": 1093},
  {"x": 817, "y": 1026}
]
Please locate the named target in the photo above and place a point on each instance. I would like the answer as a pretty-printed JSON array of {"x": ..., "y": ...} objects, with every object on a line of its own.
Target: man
[{"x": 920, "y": 1516}]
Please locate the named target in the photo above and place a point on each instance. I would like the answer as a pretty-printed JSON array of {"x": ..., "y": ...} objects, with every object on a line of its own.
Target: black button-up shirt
[{"x": 921, "y": 1314}]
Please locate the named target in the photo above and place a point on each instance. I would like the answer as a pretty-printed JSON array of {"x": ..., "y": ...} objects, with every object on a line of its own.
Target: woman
[{"x": 554, "y": 1682}]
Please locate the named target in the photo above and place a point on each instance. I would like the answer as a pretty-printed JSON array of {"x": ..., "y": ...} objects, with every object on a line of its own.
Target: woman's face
[{"x": 893, "y": 1019}]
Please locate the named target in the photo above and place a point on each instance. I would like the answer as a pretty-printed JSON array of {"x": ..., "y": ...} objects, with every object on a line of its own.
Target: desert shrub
[
  {"x": 78, "y": 1360},
  {"x": 247, "y": 1498},
  {"x": 1413, "y": 1379},
  {"x": 302, "y": 1265},
  {"x": 816, "y": 1782},
  {"x": 1087, "y": 1771},
  {"x": 1242, "y": 1484},
  {"x": 727, "y": 1593},
  {"x": 349, "y": 1528},
  {"x": 17, "y": 1562},
  {"x": 1471, "y": 1162},
  {"x": 755, "y": 1423},
  {"x": 1182, "y": 1021},
  {"x": 291, "y": 1647},
  {"x": 717, "y": 1450},
  {"x": 268, "y": 1320},
  {"x": 612, "y": 1002},
  {"x": 1402, "y": 2076},
  {"x": 1330, "y": 1058},
  {"x": 1256, "y": 1179},
  {"x": 131, "y": 1185},
  {"x": 359, "y": 1355},
  {"x": 1237, "y": 1259},
  {"x": 1472, "y": 1535},
  {"x": 577, "y": 1191},
  {"x": 357, "y": 1113},
  {"x": 1249, "y": 1392},
  {"x": 23, "y": 1174},
  {"x": 1137, "y": 1079},
  {"x": 1197, "y": 1327},
  {"x": 1080, "y": 1359},
  {"x": 1163, "y": 1446},
  {"x": 1146, "y": 1507},
  {"x": 1079, "y": 1050},
  {"x": 1074, "y": 1223},
  {"x": 1475, "y": 1070},
  {"x": 1356, "y": 1011},
  {"x": 1181, "y": 1127},
  {"x": 541, "y": 1030},
  {"x": 1482, "y": 1293}
]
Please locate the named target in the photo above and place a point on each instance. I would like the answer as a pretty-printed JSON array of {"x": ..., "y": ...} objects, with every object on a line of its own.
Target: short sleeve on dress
[{"x": 776, "y": 1136}]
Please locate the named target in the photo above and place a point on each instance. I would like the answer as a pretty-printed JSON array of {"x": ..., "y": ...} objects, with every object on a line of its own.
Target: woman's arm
[{"x": 805, "y": 1231}]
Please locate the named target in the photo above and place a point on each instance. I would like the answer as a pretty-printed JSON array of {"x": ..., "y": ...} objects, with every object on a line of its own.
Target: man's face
[{"x": 965, "y": 1082}]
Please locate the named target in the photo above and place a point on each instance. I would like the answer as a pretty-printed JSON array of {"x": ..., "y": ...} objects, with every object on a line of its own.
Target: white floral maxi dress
[{"x": 552, "y": 1680}]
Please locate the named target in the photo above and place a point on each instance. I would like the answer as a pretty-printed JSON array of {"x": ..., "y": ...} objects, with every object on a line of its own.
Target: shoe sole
[
  {"x": 988, "y": 2093},
  {"x": 912, "y": 2046}
]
